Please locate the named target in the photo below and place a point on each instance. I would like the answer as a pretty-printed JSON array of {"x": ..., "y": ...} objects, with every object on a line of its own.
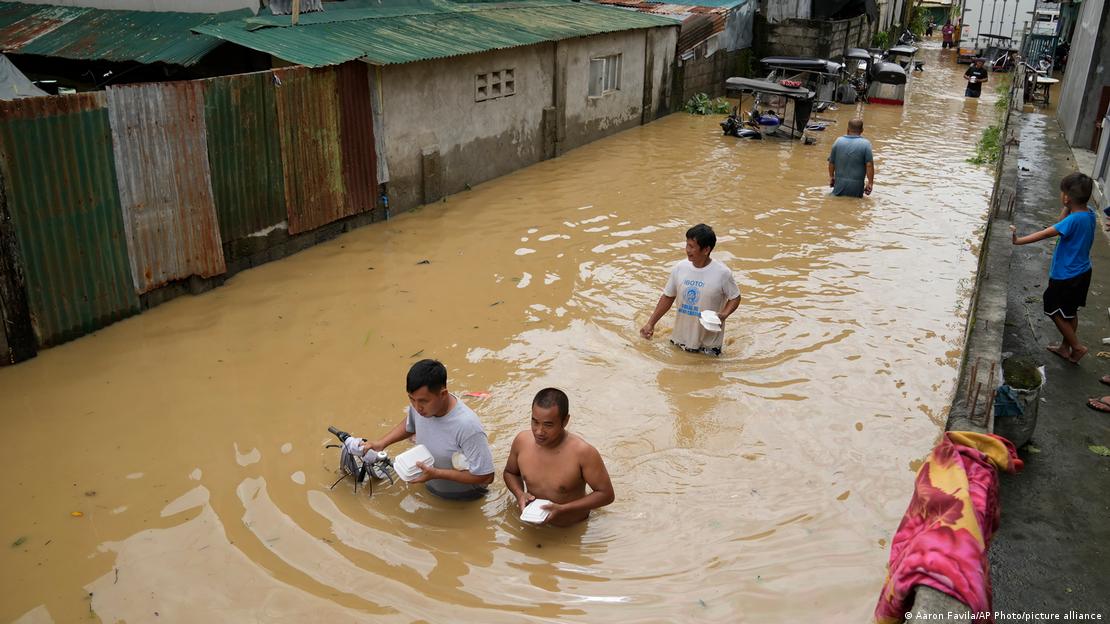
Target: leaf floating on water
[
  {"x": 702, "y": 602},
  {"x": 19, "y": 542},
  {"x": 498, "y": 302},
  {"x": 1100, "y": 450},
  {"x": 417, "y": 353},
  {"x": 1032, "y": 449},
  {"x": 76, "y": 514},
  {"x": 425, "y": 261},
  {"x": 90, "y": 493}
]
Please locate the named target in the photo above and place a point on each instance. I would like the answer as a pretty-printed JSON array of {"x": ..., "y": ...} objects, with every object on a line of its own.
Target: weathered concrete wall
[
  {"x": 428, "y": 108},
  {"x": 589, "y": 118},
  {"x": 707, "y": 75},
  {"x": 438, "y": 140},
  {"x": 662, "y": 48},
  {"x": 820, "y": 38},
  {"x": 1087, "y": 72},
  {"x": 183, "y": 6}
]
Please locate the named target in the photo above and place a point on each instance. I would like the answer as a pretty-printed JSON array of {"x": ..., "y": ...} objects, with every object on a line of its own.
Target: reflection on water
[{"x": 749, "y": 487}]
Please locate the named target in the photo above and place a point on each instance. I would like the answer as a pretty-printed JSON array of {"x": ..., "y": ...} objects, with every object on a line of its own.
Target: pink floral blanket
[{"x": 943, "y": 538}]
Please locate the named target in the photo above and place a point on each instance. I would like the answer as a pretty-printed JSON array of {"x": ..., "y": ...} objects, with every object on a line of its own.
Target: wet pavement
[
  {"x": 1052, "y": 551},
  {"x": 750, "y": 488}
]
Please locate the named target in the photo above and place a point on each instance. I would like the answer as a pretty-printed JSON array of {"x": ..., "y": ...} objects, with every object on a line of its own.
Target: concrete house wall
[
  {"x": 1087, "y": 73},
  {"x": 438, "y": 140},
  {"x": 644, "y": 53},
  {"x": 429, "y": 108}
]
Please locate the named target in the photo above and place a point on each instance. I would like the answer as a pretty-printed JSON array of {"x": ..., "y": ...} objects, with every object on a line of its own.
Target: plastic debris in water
[
  {"x": 477, "y": 395},
  {"x": 76, "y": 514}
]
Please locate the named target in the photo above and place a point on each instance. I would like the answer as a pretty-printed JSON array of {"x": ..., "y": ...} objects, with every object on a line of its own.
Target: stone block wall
[
  {"x": 707, "y": 74},
  {"x": 819, "y": 38}
]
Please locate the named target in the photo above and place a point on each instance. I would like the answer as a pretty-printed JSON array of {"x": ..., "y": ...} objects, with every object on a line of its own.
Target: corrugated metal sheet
[
  {"x": 721, "y": 4},
  {"x": 285, "y": 7},
  {"x": 454, "y": 30},
  {"x": 62, "y": 193},
  {"x": 21, "y": 24},
  {"x": 308, "y": 118},
  {"x": 356, "y": 133},
  {"x": 698, "y": 28},
  {"x": 244, "y": 153},
  {"x": 87, "y": 34},
  {"x": 165, "y": 188}
]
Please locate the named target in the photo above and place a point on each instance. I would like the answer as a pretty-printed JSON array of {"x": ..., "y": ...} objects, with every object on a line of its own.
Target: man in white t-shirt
[
  {"x": 699, "y": 283},
  {"x": 449, "y": 430}
]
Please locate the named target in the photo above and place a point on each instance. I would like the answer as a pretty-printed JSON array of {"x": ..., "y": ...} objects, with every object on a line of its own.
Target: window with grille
[
  {"x": 495, "y": 84},
  {"x": 605, "y": 74}
]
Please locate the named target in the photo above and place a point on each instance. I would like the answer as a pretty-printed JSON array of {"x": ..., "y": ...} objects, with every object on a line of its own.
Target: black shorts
[{"x": 1065, "y": 297}]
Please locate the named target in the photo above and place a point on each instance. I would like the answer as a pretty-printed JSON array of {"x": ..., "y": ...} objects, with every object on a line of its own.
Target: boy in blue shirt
[{"x": 1070, "y": 274}]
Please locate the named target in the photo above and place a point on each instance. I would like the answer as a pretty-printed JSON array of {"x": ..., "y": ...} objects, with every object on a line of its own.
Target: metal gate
[{"x": 1038, "y": 46}]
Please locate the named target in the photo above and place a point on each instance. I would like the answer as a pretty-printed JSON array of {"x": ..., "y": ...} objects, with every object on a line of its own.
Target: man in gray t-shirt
[
  {"x": 851, "y": 163},
  {"x": 451, "y": 431}
]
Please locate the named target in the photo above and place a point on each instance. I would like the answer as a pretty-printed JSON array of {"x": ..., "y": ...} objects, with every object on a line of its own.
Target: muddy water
[{"x": 750, "y": 488}]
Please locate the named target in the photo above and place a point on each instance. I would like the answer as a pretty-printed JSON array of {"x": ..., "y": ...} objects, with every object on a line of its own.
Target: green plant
[
  {"x": 1004, "y": 90},
  {"x": 989, "y": 147},
  {"x": 700, "y": 104},
  {"x": 919, "y": 21},
  {"x": 880, "y": 40}
]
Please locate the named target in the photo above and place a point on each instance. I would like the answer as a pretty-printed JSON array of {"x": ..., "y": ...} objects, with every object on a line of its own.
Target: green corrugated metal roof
[
  {"x": 95, "y": 34},
  {"x": 721, "y": 4},
  {"x": 426, "y": 30}
]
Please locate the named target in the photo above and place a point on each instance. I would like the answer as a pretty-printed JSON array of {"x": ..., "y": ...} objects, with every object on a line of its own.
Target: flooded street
[{"x": 750, "y": 488}]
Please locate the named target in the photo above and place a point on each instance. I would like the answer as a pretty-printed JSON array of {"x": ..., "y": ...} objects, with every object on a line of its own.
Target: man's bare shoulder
[
  {"x": 521, "y": 439},
  {"x": 580, "y": 447}
]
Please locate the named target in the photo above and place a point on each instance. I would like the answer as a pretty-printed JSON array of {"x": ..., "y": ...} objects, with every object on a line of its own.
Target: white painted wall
[
  {"x": 778, "y": 10},
  {"x": 182, "y": 6},
  {"x": 995, "y": 17}
]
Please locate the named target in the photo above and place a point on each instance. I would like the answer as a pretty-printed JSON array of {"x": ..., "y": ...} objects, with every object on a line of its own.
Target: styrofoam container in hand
[
  {"x": 534, "y": 512},
  {"x": 710, "y": 320},
  {"x": 405, "y": 463}
]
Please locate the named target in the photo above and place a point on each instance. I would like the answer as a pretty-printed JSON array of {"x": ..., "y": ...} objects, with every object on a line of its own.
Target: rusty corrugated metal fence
[
  {"x": 61, "y": 189},
  {"x": 356, "y": 132},
  {"x": 244, "y": 154},
  {"x": 115, "y": 194},
  {"x": 165, "y": 189},
  {"x": 308, "y": 119}
]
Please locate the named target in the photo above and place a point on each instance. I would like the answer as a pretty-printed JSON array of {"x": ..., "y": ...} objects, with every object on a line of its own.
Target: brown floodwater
[{"x": 751, "y": 488}]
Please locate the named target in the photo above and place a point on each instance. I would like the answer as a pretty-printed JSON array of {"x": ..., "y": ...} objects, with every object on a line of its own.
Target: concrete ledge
[
  {"x": 981, "y": 369},
  {"x": 929, "y": 605}
]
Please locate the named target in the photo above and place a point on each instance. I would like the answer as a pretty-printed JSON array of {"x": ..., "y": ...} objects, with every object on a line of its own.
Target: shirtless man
[{"x": 551, "y": 463}]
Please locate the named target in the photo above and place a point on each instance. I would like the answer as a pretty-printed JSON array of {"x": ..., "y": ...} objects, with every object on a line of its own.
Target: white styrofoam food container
[
  {"x": 405, "y": 463},
  {"x": 710, "y": 320},
  {"x": 534, "y": 512}
]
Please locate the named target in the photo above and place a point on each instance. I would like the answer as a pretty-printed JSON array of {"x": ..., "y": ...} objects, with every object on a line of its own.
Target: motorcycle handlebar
[{"x": 342, "y": 435}]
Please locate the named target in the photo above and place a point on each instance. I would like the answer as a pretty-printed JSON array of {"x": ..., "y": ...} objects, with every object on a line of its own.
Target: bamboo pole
[{"x": 296, "y": 11}]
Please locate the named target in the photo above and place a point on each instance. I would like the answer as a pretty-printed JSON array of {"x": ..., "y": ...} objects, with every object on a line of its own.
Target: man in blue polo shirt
[{"x": 851, "y": 163}]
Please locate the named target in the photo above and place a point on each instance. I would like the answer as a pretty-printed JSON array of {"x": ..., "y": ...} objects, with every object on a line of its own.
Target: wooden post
[
  {"x": 296, "y": 11},
  {"x": 15, "y": 314}
]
